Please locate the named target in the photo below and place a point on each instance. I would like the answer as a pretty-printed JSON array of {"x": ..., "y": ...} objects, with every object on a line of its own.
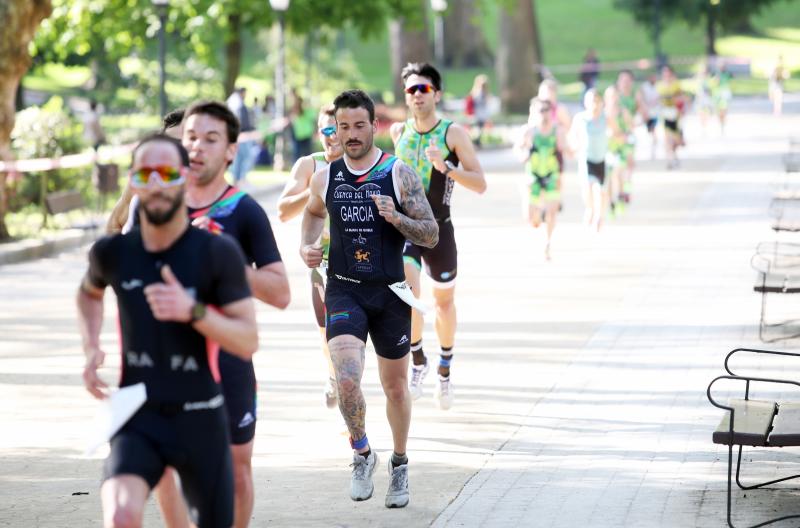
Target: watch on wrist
[
  {"x": 449, "y": 168},
  {"x": 198, "y": 312}
]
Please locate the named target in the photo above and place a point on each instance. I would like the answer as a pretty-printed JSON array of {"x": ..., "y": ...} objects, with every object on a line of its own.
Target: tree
[
  {"x": 24, "y": 16},
  {"x": 517, "y": 53},
  {"x": 464, "y": 42},
  {"x": 409, "y": 41},
  {"x": 726, "y": 15}
]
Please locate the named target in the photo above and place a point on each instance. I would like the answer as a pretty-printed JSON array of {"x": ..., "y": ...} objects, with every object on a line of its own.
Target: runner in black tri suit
[
  {"x": 433, "y": 147},
  {"x": 209, "y": 135},
  {"x": 170, "y": 340},
  {"x": 375, "y": 202}
]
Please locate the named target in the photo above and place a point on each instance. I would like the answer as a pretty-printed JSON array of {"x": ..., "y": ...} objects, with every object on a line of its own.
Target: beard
[
  {"x": 159, "y": 218},
  {"x": 362, "y": 151}
]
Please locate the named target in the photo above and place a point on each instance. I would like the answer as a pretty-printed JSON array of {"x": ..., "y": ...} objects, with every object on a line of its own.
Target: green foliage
[{"x": 45, "y": 132}]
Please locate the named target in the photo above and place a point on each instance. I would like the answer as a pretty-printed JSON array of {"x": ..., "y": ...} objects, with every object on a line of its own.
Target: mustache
[{"x": 353, "y": 142}]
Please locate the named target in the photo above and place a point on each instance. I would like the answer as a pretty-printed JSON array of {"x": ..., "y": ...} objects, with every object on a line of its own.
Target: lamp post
[
  {"x": 280, "y": 7},
  {"x": 161, "y": 8},
  {"x": 439, "y": 7}
]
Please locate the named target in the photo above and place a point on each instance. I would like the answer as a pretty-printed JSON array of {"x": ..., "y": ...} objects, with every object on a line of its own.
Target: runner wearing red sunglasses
[{"x": 433, "y": 147}]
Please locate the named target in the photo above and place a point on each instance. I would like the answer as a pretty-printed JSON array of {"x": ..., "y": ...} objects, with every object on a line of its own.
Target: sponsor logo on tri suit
[
  {"x": 403, "y": 340},
  {"x": 139, "y": 359},
  {"x": 131, "y": 284},
  {"x": 184, "y": 363},
  {"x": 361, "y": 255},
  {"x": 360, "y": 240},
  {"x": 342, "y": 277},
  {"x": 247, "y": 419},
  {"x": 339, "y": 176}
]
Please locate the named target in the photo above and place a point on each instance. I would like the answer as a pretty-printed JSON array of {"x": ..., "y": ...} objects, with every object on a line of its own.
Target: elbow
[
  {"x": 433, "y": 240},
  {"x": 249, "y": 345},
  {"x": 283, "y": 213},
  {"x": 481, "y": 187},
  {"x": 283, "y": 299}
]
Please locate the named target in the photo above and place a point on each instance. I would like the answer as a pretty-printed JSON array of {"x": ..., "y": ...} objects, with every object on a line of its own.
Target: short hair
[
  {"x": 626, "y": 71},
  {"x": 172, "y": 119},
  {"x": 423, "y": 69},
  {"x": 327, "y": 110},
  {"x": 183, "y": 154},
  {"x": 355, "y": 99},
  {"x": 218, "y": 110}
]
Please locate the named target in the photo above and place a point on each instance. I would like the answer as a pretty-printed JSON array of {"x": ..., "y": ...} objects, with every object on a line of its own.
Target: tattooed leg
[{"x": 347, "y": 354}]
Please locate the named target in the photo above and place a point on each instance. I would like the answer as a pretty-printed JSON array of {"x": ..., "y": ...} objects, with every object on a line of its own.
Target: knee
[
  {"x": 346, "y": 384},
  {"x": 445, "y": 305},
  {"x": 126, "y": 517},
  {"x": 397, "y": 391}
]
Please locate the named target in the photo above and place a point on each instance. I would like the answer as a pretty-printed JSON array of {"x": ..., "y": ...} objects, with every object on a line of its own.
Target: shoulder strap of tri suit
[{"x": 231, "y": 194}]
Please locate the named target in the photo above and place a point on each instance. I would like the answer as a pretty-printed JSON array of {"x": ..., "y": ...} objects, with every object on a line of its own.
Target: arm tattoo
[{"x": 417, "y": 224}]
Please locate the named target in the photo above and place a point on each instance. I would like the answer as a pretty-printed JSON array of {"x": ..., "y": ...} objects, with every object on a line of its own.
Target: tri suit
[{"x": 183, "y": 422}]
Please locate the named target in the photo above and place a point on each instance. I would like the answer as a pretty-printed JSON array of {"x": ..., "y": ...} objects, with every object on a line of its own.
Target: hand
[
  {"x": 168, "y": 300},
  {"x": 434, "y": 155},
  {"x": 386, "y": 208},
  {"x": 91, "y": 380},
  {"x": 311, "y": 255}
]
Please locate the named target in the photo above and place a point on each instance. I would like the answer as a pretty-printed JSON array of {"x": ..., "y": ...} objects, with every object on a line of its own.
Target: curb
[{"x": 37, "y": 248}]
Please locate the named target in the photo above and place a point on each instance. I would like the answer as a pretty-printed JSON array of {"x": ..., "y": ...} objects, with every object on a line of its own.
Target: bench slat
[
  {"x": 786, "y": 428},
  {"x": 752, "y": 420},
  {"x": 64, "y": 201},
  {"x": 777, "y": 283}
]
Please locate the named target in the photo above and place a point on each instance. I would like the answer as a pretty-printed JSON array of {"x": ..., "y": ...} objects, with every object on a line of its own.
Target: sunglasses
[
  {"x": 328, "y": 131},
  {"x": 424, "y": 88},
  {"x": 167, "y": 176}
]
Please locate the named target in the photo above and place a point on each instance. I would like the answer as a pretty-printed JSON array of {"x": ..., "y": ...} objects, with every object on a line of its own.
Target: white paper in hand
[
  {"x": 403, "y": 290},
  {"x": 114, "y": 412}
]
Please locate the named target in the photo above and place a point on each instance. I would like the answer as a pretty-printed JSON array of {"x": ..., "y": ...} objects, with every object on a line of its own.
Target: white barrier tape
[{"x": 70, "y": 161}]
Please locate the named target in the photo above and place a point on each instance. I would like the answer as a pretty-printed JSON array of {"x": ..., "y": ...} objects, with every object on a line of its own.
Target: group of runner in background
[{"x": 601, "y": 139}]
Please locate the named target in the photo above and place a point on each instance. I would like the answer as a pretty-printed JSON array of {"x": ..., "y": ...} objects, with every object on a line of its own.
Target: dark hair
[
  {"x": 219, "y": 111},
  {"x": 423, "y": 69},
  {"x": 172, "y": 119},
  {"x": 161, "y": 137},
  {"x": 626, "y": 72},
  {"x": 355, "y": 99},
  {"x": 328, "y": 110}
]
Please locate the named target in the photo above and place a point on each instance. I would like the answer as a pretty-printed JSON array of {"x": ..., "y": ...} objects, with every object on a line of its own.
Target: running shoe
[
  {"x": 361, "y": 485},
  {"x": 331, "y": 395},
  {"x": 418, "y": 373},
  {"x": 397, "y": 494},
  {"x": 444, "y": 393}
]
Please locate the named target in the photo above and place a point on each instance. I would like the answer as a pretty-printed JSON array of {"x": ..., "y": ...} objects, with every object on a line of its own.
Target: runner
[
  {"x": 777, "y": 78},
  {"x": 669, "y": 89},
  {"x": 587, "y": 136},
  {"x": 548, "y": 91},
  {"x": 375, "y": 202},
  {"x": 169, "y": 343},
  {"x": 210, "y": 131},
  {"x": 433, "y": 146},
  {"x": 291, "y": 203},
  {"x": 541, "y": 138},
  {"x": 632, "y": 103},
  {"x": 703, "y": 99},
  {"x": 651, "y": 109},
  {"x": 722, "y": 94},
  {"x": 122, "y": 217},
  {"x": 620, "y": 126}
]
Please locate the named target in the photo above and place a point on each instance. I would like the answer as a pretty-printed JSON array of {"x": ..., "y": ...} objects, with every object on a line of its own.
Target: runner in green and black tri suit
[{"x": 433, "y": 147}]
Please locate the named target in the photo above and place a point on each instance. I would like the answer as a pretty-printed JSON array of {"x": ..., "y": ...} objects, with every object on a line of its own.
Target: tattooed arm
[{"x": 417, "y": 224}]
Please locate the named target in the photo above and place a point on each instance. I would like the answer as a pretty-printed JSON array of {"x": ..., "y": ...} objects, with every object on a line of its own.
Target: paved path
[{"x": 580, "y": 382}]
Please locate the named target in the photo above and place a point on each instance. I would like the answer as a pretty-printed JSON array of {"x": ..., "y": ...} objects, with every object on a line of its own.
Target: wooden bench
[
  {"x": 778, "y": 271},
  {"x": 66, "y": 201},
  {"x": 757, "y": 423}
]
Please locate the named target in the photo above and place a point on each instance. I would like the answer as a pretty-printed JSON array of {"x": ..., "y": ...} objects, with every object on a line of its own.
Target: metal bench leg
[{"x": 739, "y": 483}]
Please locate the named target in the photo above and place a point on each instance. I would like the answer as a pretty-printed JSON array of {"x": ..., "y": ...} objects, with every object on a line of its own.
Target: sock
[
  {"x": 418, "y": 356},
  {"x": 399, "y": 460},
  {"x": 366, "y": 453},
  {"x": 444, "y": 361}
]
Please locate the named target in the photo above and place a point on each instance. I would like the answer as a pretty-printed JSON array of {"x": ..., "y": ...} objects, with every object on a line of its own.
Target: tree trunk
[
  {"x": 409, "y": 41},
  {"x": 517, "y": 52},
  {"x": 233, "y": 52},
  {"x": 711, "y": 32},
  {"x": 24, "y": 16},
  {"x": 464, "y": 43}
]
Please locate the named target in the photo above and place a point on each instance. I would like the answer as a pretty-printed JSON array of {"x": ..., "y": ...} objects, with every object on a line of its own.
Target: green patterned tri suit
[
  {"x": 621, "y": 149},
  {"x": 316, "y": 279},
  {"x": 542, "y": 167},
  {"x": 441, "y": 262}
]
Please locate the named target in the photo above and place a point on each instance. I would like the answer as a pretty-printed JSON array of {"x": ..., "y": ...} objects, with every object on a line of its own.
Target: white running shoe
[
  {"x": 444, "y": 393},
  {"x": 331, "y": 394},
  {"x": 361, "y": 485},
  {"x": 397, "y": 494},
  {"x": 418, "y": 373}
]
